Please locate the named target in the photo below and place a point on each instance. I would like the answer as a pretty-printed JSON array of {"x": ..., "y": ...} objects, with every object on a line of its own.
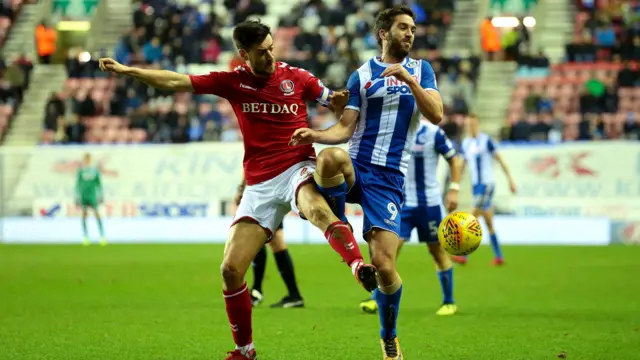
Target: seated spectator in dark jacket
[{"x": 626, "y": 76}]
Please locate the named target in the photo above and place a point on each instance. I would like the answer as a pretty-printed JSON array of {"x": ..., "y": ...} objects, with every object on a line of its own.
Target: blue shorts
[
  {"x": 483, "y": 196},
  {"x": 424, "y": 218},
  {"x": 380, "y": 193}
]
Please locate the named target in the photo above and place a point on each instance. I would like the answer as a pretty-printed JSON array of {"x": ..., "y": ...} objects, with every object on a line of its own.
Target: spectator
[
  {"x": 152, "y": 51},
  {"x": 627, "y": 77},
  {"x": 521, "y": 130},
  {"x": 490, "y": 40},
  {"x": 542, "y": 126},
  {"x": 46, "y": 37}
]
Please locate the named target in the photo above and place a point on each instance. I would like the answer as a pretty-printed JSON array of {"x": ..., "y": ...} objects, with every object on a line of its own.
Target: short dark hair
[
  {"x": 250, "y": 33},
  {"x": 385, "y": 19}
]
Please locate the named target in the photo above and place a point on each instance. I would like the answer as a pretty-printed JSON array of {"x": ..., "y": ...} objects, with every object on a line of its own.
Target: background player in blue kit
[
  {"x": 387, "y": 95},
  {"x": 478, "y": 151},
  {"x": 423, "y": 208}
]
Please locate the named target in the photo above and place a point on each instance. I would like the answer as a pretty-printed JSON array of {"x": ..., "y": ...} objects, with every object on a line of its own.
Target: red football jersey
[{"x": 269, "y": 110}]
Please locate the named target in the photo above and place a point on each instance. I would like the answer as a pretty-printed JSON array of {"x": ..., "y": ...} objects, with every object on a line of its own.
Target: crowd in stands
[
  {"x": 15, "y": 71},
  {"x": 595, "y": 94},
  {"x": 329, "y": 38}
]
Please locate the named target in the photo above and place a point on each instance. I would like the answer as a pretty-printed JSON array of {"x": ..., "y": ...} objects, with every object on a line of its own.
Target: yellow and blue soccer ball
[{"x": 460, "y": 233}]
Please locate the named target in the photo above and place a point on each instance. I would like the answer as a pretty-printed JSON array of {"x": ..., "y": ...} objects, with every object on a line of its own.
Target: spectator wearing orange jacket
[
  {"x": 45, "y": 42},
  {"x": 489, "y": 39}
]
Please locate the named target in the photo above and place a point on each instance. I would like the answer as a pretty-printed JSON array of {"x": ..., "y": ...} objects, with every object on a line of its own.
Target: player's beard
[
  {"x": 265, "y": 70},
  {"x": 398, "y": 48}
]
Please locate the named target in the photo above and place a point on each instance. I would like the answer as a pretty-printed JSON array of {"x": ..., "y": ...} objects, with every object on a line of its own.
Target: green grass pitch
[{"x": 165, "y": 302}]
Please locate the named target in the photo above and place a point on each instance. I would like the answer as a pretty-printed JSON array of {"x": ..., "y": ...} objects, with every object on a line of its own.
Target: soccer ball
[{"x": 460, "y": 233}]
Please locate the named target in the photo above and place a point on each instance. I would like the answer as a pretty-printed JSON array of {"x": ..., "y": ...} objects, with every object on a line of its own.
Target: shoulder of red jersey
[{"x": 310, "y": 82}]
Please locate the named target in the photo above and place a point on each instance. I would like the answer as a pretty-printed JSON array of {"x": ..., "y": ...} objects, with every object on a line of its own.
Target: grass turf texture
[{"x": 165, "y": 302}]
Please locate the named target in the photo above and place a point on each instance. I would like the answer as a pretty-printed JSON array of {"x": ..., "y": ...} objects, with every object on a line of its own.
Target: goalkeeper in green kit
[{"x": 89, "y": 195}]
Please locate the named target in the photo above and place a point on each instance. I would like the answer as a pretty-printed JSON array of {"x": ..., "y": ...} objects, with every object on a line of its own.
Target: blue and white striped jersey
[
  {"x": 389, "y": 115},
  {"x": 422, "y": 187},
  {"x": 478, "y": 153}
]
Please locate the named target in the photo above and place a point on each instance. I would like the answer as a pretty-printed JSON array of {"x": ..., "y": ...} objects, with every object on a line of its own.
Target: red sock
[
  {"x": 342, "y": 241},
  {"x": 239, "y": 311}
]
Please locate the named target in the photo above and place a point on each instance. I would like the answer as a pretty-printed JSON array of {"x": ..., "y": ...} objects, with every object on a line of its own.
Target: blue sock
[
  {"x": 336, "y": 197},
  {"x": 446, "y": 283},
  {"x": 495, "y": 246},
  {"x": 388, "y": 308}
]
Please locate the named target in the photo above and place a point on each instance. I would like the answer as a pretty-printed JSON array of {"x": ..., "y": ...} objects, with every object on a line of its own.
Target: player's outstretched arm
[
  {"x": 505, "y": 168},
  {"x": 161, "y": 79},
  {"x": 339, "y": 133}
]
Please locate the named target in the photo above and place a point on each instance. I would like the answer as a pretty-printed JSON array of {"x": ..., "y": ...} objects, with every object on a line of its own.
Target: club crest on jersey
[
  {"x": 413, "y": 64},
  {"x": 287, "y": 87}
]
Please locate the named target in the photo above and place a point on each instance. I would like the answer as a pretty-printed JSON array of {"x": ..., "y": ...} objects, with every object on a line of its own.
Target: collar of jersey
[{"x": 379, "y": 61}]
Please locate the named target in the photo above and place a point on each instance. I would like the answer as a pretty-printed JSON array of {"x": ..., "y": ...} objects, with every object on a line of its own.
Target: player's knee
[
  {"x": 231, "y": 272},
  {"x": 330, "y": 161},
  {"x": 384, "y": 261}
]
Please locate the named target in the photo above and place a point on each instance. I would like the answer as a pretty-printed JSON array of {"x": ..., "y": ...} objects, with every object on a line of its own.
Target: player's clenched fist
[
  {"x": 338, "y": 100},
  {"x": 110, "y": 65},
  {"x": 303, "y": 136},
  {"x": 399, "y": 71}
]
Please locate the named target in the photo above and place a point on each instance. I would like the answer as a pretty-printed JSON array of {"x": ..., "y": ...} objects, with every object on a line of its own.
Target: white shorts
[{"x": 269, "y": 201}]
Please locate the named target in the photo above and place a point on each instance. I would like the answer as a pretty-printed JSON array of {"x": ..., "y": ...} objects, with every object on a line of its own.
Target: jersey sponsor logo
[
  {"x": 395, "y": 86},
  {"x": 287, "y": 87},
  {"x": 267, "y": 108}
]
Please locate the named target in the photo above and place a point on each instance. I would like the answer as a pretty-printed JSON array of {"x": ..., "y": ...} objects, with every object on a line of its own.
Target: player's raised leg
[
  {"x": 334, "y": 176},
  {"x": 285, "y": 266},
  {"x": 498, "y": 259},
  {"x": 383, "y": 246},
  {"x": 246, "y": 238},
  {"x": 315, "y": 208}
]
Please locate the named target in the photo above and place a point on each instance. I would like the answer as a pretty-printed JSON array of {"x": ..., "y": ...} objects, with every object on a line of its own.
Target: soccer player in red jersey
[{"x": 268, "y": 98}]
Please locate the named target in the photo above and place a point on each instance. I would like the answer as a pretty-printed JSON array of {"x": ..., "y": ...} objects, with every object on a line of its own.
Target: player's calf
[
  {"x": 383, "y": 246},
  {"x": 315, "y": 208},
  {"x": 245, "y": 240}
]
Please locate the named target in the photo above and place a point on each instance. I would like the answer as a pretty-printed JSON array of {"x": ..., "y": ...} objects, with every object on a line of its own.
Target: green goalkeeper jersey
[{"x": 88, "y": 183}]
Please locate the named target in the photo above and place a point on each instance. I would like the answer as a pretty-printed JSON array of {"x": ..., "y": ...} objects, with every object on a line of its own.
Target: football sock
[
  {"x": 85, "y": 233},
  {"x": 285, "y": 267},
  {"x": 388, "y": 309},
  {"x": 342, "y": 241},
  {"x": 100, "y": 228},
  {"x": 446, "y": 283},
  {"x": 495, "y": 246},
  {"x": 334, "y": 190},
  {"x": 239, "y": 312},
  {"x": 259, "y": 267}
]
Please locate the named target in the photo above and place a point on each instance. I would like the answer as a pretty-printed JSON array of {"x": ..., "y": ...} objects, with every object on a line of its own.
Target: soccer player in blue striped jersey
[
  {"x": 387, "y": 95},
  {"x": 478, "y": 151},
  {"x": 424, "y": 209}
]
